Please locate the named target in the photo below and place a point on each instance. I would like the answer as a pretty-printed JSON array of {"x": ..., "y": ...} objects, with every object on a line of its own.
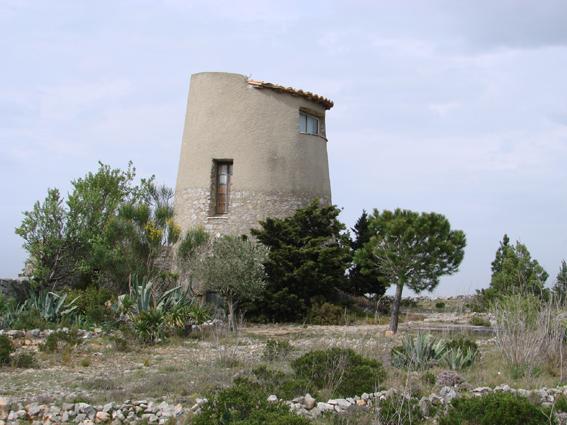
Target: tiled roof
[{"x": 323, "y": 101}]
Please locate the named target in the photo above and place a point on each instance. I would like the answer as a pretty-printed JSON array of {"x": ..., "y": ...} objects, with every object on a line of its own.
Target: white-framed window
[{"x": 308, "y": 124}]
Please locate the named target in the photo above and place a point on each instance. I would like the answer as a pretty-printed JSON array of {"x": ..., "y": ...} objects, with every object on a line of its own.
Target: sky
[{"x": 457, "y": 107}]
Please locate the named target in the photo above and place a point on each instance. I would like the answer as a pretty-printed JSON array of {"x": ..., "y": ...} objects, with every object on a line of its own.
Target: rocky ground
[{"x": 96, "y": 381}]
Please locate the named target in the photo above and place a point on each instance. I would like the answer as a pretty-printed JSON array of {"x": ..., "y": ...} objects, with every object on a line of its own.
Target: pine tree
[
  {"x": 560, "y": 287},
  {"x": 515, "y": 271},
  {"x": 412, "y": 249},
  {"x": 496, "y": 265}
]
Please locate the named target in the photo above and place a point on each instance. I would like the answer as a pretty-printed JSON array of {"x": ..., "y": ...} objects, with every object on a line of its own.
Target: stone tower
[{"x": 250, "y": 150}]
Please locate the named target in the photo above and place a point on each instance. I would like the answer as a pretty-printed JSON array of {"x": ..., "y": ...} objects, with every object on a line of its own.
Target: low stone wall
[
  {"x": 14, "y": 288},
  {"x": 141, "y": 411},
  {"x": 12, "y": 412}
]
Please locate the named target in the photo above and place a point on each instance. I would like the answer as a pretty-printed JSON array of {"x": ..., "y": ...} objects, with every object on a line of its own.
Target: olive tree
[
  {"x": 234, "y": 270},
  {"x": 411, "y": 249}
]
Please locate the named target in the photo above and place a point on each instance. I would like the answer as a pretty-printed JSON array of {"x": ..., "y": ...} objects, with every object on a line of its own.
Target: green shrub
[
  {"x": 496, "y": 409},
  {"x": 150, "y": 326},
  {"x": 479, "y": 321},
  {"x": 30, "y": 318},
  {"x": 6, "y": 348},
  {"x": 418, "y": 353},
  {"x": 93, "y": 304},
  {"x": 120, "y": 343},
  {"x": 399, "y": 410},
  {"x": 560, "y": 404},
  {"x": 327, "y": 314},
  {"x": 440, "y": 305},
  {"x": 58, "y": 340},
  {"x": 276, "y": 350},
  {"x": 428, "y": 378},
  {"x": 283, "y": 385},
  {"x": 24, "y": 361},
  {"x": 462, "y": 343},
  {"x": 245, "y": 403},
  {"x": 341, "y": 371}
]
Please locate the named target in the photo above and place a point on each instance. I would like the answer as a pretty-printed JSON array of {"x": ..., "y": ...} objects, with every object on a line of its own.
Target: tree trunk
[
  {"x": 231, "y": 316},
  {"x": 396, "y": 308}
]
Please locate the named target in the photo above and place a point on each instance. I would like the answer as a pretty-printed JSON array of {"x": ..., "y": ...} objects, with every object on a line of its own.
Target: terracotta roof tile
[{"x": 323, "y": 101}]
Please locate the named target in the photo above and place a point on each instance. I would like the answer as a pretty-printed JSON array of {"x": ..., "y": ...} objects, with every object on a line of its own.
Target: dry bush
[{"x": 529, "y": 332}]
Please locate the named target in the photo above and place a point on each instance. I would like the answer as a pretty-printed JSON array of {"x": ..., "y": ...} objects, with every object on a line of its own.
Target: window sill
[
  {"x": 218, "y": 217},
  {"x": 314, "y": 135}
]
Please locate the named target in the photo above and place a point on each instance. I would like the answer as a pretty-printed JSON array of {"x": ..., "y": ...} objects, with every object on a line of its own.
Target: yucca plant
[
  {"x": 418, "y": 353},
  {"x": 150, "y": 326}
]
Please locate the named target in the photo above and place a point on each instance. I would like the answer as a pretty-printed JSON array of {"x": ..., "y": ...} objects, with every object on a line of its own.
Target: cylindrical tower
[{"x": 250, "y": 150}]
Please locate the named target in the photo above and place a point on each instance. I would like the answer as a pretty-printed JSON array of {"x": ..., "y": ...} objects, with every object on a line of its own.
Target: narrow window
[
  {"x": 224, "y": 172},
  {"x": 308, "y": 124}
]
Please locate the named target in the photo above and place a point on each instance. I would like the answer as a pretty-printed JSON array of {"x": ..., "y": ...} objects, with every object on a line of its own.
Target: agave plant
[
  {"x": 51, "y": 306},
  {"x": 458, "y": 358},
  {"x": 419, "y": 352},
  {"x": 143, "y": 298}
]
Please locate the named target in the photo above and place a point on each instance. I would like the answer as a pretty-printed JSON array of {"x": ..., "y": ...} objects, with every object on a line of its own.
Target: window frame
[
  {"x": 222, "y": 207},
  {"x": 305, "y": 117}
]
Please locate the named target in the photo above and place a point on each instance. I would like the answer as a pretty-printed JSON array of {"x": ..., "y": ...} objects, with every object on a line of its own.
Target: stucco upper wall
[{"x": 227, "y": 118}]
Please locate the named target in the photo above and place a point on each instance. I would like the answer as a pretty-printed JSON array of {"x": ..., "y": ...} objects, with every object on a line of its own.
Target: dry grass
[{"x": 186, "y": 368}]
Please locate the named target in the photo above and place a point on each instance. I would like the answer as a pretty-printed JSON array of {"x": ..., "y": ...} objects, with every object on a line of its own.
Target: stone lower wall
[
  {"x": 14, "y": 288},
  {"x": 246, "y": 209}
]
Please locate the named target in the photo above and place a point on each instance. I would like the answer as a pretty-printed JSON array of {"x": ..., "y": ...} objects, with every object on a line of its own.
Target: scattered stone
[
  {"x": 272, "y": 398},
  {"x": 102, "y": 417},
  {"x": 448, "y": 378},
  {"x": 309, "y": 402}
]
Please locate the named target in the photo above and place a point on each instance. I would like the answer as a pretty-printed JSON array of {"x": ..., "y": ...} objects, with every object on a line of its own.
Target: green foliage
[
  {"x": 9, "y": 312},
  {"x": 108, "y": 228},
  {"x": 44, "y": 231},
  {"x": 560, "y": 287},
  {"x": 244, "y": 403},
  {"x": 93, "y": 304},
  {"x": 515, "y": 272},
  {"x": 190, "y": 251},
  {"x": 428, "y": 378},
  {"x": 440, "y": 305},
  {"x": 459, "y": 358},
  {"x": 234, "y": 270},
  {"x": 411, "y": 249},
  {"x": 284, "y": 386},
  {"x": 59, "y": 341},
  {"x": 479, "y": 321},
  {"x": 400, "y": 410},
  {"x": 560, "y": 404},
  {"x": 308, "y": 257},
  {"x": 52, "y": 307},
  {"x": 150, "y": 326},
  {"x": 327, "y": 314},
  {"x": 424, "y": 351},
  {"x": 361, "y": 282},
  {"x": 418, "y": 353},
  {"x": 276, "y": 350},
  {"x": 29, "y": 318},
  {"x": 6, "y": 348},
  {"x": 462, "y": 343},
  {"x": 341, "y": 371},
  {"x": 24, "y": 361},
  {"x": 496, "y": 409}
]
